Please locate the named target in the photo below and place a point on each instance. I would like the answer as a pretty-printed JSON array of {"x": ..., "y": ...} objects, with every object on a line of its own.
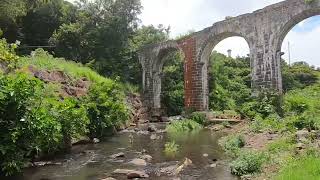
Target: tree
[
  {"x": 102, "y": 33},
  {"x": 39, "y": 24}
]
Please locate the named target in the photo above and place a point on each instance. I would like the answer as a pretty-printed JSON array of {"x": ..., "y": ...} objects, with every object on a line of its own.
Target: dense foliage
[
  {"x": 172, "y": 96},
  {"x": 36, "y": 120}
]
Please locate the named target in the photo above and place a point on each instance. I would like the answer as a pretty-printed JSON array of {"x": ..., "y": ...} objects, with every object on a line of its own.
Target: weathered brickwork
[{"x": 264, "y": 31}]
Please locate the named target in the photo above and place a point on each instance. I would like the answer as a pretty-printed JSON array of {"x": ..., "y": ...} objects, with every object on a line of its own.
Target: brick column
[{"x": 193, "y": 88}]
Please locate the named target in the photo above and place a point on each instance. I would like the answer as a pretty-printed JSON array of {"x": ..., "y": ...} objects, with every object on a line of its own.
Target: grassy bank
[
  {"x": 46, "y": 102},
  {"x": 282, "y": 154}
]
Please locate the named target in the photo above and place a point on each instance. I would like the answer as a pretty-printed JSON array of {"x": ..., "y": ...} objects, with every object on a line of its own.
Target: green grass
[
  {"x": 44, "y": 61},
  {"x": 306, "y": 168}
]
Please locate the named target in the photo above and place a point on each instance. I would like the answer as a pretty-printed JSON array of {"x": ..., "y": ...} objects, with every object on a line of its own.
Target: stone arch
[
  {"x": 157, "y": 67},
  {"x": 293, "y": 21},
  {"x": 204, "y": 56}
]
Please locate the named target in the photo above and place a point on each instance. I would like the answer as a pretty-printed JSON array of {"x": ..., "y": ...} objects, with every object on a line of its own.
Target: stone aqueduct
[{"x": 264, "y": 30}]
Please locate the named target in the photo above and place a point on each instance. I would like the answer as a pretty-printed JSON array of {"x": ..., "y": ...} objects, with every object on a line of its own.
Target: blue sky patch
[{"x": 307, "y": 25}]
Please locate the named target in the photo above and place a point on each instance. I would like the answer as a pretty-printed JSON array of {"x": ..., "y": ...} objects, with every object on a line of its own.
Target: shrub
[
  {"x": 248, "y": 162},
  {"x": 232, "y": 144},
  {"x": 200, "y": 118},
  {"x": 183, "y": 126},
  {"x": 8, "y": 57},
  {"x": 73, "y": 119},
  {"x": 27, "y": 127},
  {"x": 106, "y": 107},
  {"x": 265, "y": 104}
]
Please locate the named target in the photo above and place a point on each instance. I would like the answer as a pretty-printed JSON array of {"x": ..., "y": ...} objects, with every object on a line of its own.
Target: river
[{"x": 92, "y": 161}]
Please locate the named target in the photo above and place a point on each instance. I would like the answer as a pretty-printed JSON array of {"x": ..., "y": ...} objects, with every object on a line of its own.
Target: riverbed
[{"x": 93, "y": 161}]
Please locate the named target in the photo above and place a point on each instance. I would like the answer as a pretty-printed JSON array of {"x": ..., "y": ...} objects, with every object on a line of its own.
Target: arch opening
[
  {"x": 169, "y": 82},
  {"x": 229, "y": 80},
  {"x": 299, "y": 46}
]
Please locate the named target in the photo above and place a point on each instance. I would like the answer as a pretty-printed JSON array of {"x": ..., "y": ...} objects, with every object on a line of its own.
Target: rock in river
[
  {"x": 138, "y": 162},
  {"x": 152, "y": 128},
  {"x": 118, "y": 155},
  {"x": 137, "y": 174},
  {"x": 146, "y": 157},
  {"x": 131, "y": 174}
]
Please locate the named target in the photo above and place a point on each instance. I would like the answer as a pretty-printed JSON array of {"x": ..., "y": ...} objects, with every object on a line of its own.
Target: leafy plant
[
  {"x": 171, "y": 149},
  {"x": 232, "y": 144},
  {"x": 8, "y": 57},
  {"x": 198, "y": 117},
  {"x": 183, "y": 126},
  {"x": 105, "y": 107},
  {"x": 27, "y": 128},
  {"x": 248, "y": 162}
]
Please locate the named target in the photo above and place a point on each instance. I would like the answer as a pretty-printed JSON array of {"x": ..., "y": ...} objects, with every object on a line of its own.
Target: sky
[{"x": 185, "y": 15}]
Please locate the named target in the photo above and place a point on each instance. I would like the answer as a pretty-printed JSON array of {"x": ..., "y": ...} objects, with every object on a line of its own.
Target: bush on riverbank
[
  {"x": 183, "y": 126},
  {"x": 247, "y": 162},
  {"x": 232, "y": 144},
  {"x": 39, "y": 116}
]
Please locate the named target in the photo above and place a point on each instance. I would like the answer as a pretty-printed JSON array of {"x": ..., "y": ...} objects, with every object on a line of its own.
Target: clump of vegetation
[
  {"x": 183, "y": 126},
  {"x": 8, "y": 57},
  {"x": 232, "y": 144},
  {"x": 200, "y": 118},
  {"x": 171, "y": 149},
  {"x": 309, "y": 1},
  {"x": 105, "y": 107},
  {"x": 247, "y": 162}
]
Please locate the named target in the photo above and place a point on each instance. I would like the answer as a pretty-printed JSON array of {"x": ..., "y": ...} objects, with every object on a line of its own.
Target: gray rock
[
  {"x": 213, "y": 165},
  {"x": 138, "y": 162},
  {"x": 122, "y": 171},
  {"x": 153, "y": 137},
  {"x": 131, "y": 174},
  {"x": 146, "y": 157},
  {"x": 96, "y": 140},
  {"x": 152, "y": 128},
  {"x": 137, "y": 174},
  {"x": 118, "y": 155},
  {"x": 302, "y": 135},
  {"x": 109, "y": 178},
  {"x": 205, "y": 155}
]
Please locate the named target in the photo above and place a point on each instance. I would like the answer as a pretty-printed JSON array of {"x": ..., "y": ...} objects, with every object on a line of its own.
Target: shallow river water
[{"x": 92, "y": 161}]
